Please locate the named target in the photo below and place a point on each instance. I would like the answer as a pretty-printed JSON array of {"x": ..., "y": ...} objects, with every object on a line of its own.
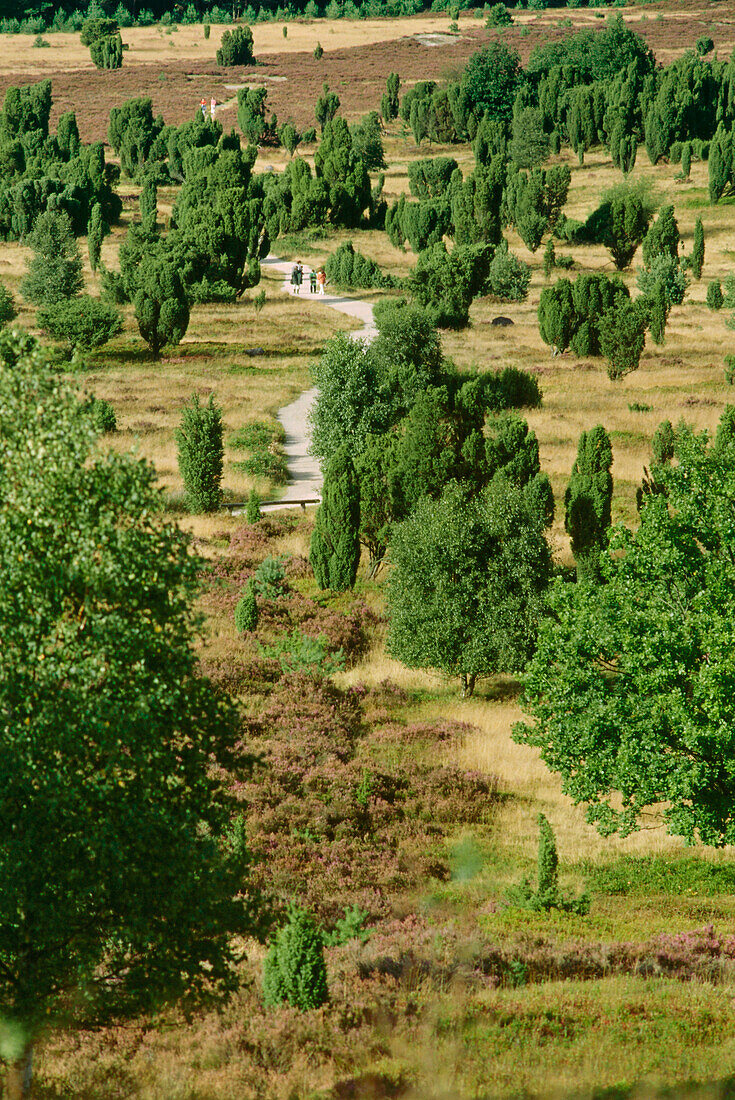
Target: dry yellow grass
[{"x": 152, "y": 45}]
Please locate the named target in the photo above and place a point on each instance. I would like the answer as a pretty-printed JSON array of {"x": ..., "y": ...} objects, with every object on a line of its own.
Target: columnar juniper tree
[
  {"x": 200, "y": 454},
  {"x": 696, "y": 260},
  {"x": 588, "y": 501},
  {"x": 149, "y": 205},
  {"x": 161, "y": 305},
  {"x": 335, "y": 544},
  {"x": 122, "y": 877},
  {"x": 96, "y": 231}
]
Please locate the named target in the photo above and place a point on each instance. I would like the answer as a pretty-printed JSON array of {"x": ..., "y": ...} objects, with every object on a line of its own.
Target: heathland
[{"x": 385, "y": 798}]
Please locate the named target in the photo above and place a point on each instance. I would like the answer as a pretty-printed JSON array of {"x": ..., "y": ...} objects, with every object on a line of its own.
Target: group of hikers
[{"x": 317, "y": 278}]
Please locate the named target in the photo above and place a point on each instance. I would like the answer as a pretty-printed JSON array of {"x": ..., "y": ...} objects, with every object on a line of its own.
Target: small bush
[
  {"x": 207, "y": 30},
  {"x": 349, "y": 927},
  {"x": 8, "y": 312},
  {"x": 236, "y": 48},
  {"x": 547, "y": 895},
  {"x": 508, "y": 277},
  {"x": 269, "y": 580},
  {"x": 513, "y": 388},
  {"x": 297, "y": 652},
  {"x": 348, "y": 268},
  {"x": 200, "y": 454},
  {"x": 715, "y": 297},
  {"x": 83, "y": 322},
  {"x": 294, "y": 970},
  {"x": 730, "y": 370},
  {"x": 498, "y": 16},
  {"x": 318, "y": 51},
  {"x": 40, "y": 42},
  {"x": 246, "y": 612},
  {"x": 253, "y": 513},
  {"x": 103, "y": 415}
]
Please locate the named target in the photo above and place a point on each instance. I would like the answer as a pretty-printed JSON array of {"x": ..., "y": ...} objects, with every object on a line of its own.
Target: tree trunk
[
  {"x": 468, "y": 685},
  {"x": 19, "y": 1076}
]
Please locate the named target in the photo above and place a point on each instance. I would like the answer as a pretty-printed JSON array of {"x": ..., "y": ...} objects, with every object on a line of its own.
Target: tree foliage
[
  {"x": 54, "y": 273},
  {"x": 161, "y": 304},
  {"x": 200, "y": 454},
  {"x": 112, "y": 743},
  {"x": 465, "y": 594},
  {"x": 588, "y": 501},
  {"x": 294, "y": 971},
  {"x": 630, "y": 690},
  {"x": 236, "y": 47},
  {"x": 335, "y": 543},
  {"x": 83, "y": 322}
]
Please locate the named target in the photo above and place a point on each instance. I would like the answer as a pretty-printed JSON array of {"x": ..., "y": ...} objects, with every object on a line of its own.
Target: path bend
[{"x": 305, "y": 476}]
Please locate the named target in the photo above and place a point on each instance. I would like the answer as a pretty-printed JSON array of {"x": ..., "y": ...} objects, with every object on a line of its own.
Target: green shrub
[
  {"x": 103, "y": 415},
  {"x": 83, "y": 322},
  {"x": 730, "y": 370},
  {"x": 161, "y": 304},
  {"x": 546, "y": 895},
  {"x": 55, "y": 270},
  {"x": 498, "y": 15},
  {"x": 294, "y": 970},
  {"x": 349, "y": 927},
  {"x": 335, "y": 542},
  {"x": 207, "y": 30},
  {"x": 715, "y": 297},
  {"x": 516, "y": 389},
  {"x": 246, "y": 612},
  {"x": 253, "y": 513},
  {"x": 269, "y": 579},
  {"x": 104, "y": 41},
  {"x": 318, "y": 51},
  {"x": 236, "y": 47},
  {"x": 200, "y": 454},
  {"x": 296, "y": 652},
  {"x": 646, "y": 875},
  {"x": 8, "y": 312},
  {"x": 348, "y": 268},
  {"x": 507, "y": 276}
]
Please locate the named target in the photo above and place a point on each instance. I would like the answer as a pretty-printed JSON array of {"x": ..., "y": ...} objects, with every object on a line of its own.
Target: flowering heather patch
[
  {"x": 238, "y": 675},
  {"x": 331, "y": 831},
  {"x": 348, "y": 631},
  {"x": 408, "y": 949}
]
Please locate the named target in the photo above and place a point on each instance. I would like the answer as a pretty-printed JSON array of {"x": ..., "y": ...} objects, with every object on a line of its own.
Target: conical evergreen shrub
[
  {"x": 335, "y": 544},
  {"x": 200, "y": 454},
  {"x": 294, "y": 971}
]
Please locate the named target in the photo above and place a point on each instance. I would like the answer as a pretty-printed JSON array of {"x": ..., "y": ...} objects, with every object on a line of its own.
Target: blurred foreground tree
[{"x": 122, "y": 876}]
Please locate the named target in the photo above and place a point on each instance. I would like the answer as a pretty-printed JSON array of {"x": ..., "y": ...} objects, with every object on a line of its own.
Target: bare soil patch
[{"x": 175, "y": 70}]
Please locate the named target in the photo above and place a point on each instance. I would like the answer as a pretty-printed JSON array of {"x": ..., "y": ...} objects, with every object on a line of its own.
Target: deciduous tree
[
  {"x": 630, "y": 692},
  {"x": 111, "y": 742}
]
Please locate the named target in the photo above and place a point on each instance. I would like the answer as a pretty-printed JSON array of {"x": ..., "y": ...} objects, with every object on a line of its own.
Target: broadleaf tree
[
  {"x": 465, "y": 594},
  {"x": 631, "y": 692},
  {"x": 123, "y": 865}
]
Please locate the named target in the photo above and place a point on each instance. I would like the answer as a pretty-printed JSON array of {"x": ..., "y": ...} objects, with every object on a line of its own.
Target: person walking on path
[
  {"x": 297, "y": 277},
  {"x": 312, "y": 282},
  {"x": 212, "y": 107},
  {"x": 203, "y": 106},
  {"x": 321, "y": 278}
]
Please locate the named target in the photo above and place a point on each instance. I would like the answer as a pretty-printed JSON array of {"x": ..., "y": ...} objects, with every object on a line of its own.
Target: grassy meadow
[{"x": 454, "y": 994}]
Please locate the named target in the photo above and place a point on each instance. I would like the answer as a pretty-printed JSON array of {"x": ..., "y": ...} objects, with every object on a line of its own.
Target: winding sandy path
[{"x": 305, "y": 477}]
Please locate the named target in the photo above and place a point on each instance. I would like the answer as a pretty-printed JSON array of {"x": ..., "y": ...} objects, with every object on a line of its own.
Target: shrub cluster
[{"x": 348, "y": 268}]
